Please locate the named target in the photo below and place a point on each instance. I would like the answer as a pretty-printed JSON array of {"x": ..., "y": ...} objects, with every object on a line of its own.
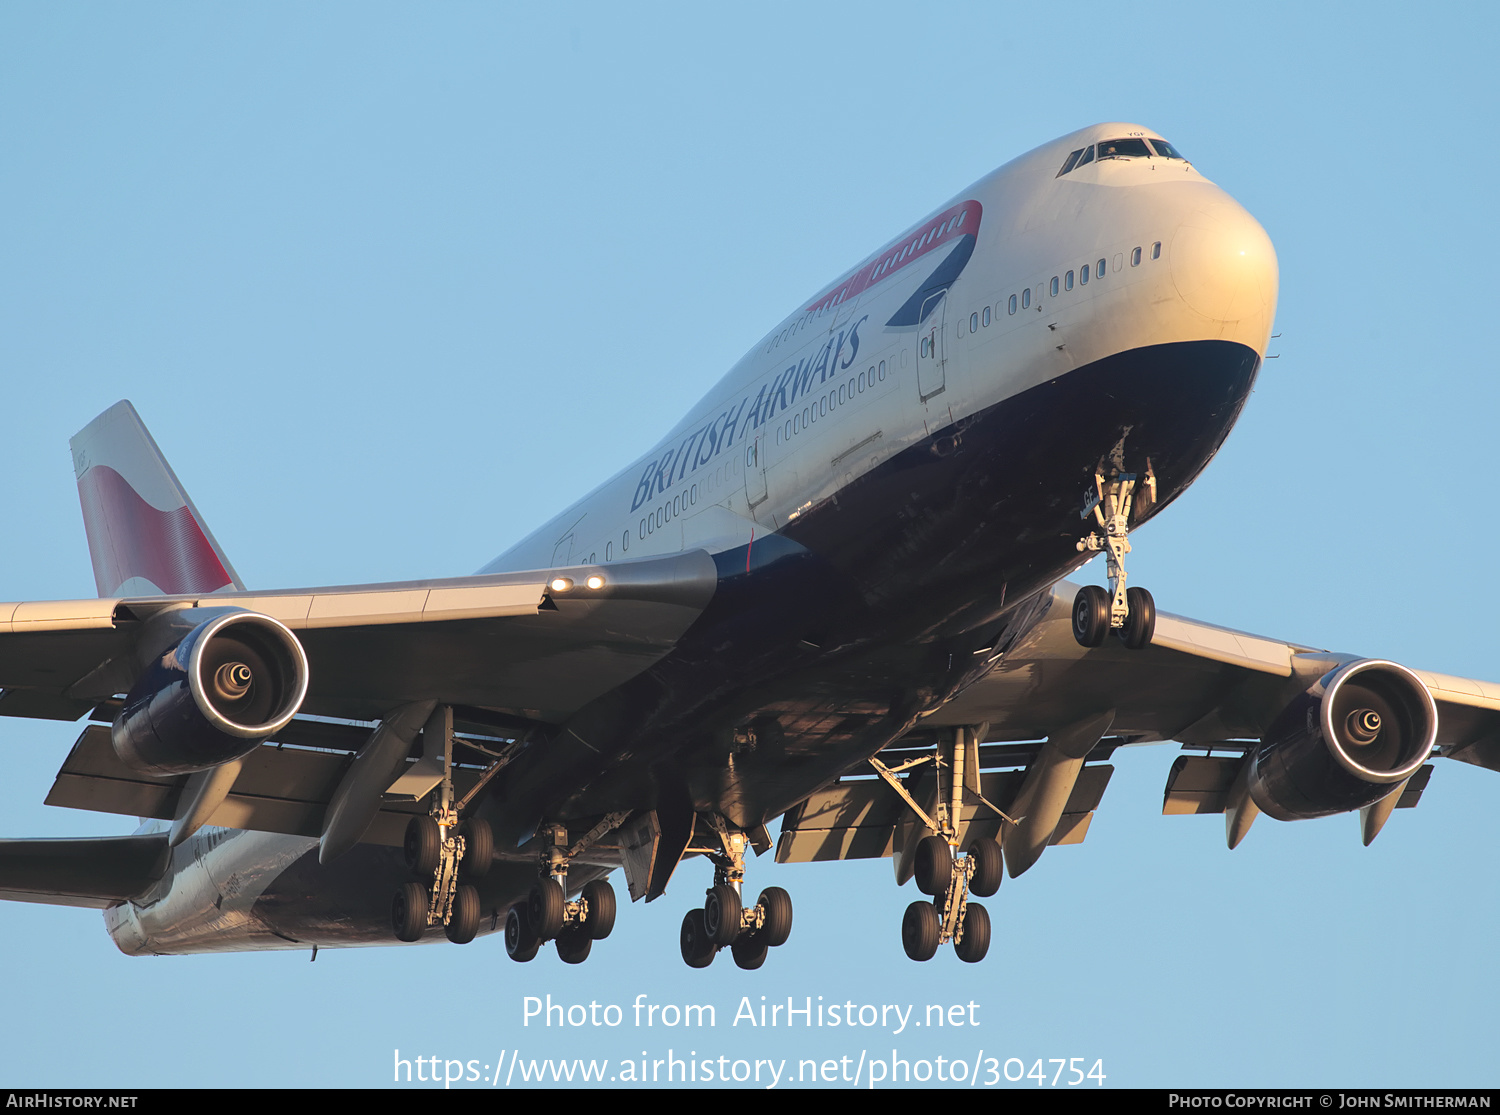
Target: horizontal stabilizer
[{"x": 96, "y": 871}]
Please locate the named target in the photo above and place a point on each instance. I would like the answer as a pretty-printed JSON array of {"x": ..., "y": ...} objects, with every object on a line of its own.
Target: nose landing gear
[{"x": 1129, "y": 613}]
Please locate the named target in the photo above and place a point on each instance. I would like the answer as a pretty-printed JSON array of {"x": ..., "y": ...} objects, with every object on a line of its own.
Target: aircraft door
[
  {"x": 930, "y": 359},
  {"x": 755, "y": 471}
]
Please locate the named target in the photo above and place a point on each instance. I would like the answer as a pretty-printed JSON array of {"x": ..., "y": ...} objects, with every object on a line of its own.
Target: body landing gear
[
  {"x": 725, "y": 922},
  {"x": 1129, "y": 613},
  {"x": 547, "y": 915}
]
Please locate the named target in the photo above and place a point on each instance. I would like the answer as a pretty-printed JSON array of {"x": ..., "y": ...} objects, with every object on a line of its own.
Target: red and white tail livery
[{"x": 145, "y": 536}]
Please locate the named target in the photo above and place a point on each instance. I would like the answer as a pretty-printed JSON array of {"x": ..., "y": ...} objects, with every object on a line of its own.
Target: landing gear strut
[
  {"x": 547, "y": 915},
  {"x": 725, "y": 921},
  {"x": 1129, "y": 613}
]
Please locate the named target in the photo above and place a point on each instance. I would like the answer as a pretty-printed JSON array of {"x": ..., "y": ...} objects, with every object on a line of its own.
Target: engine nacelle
[
  {"x": 1347, "y": 742},
  {"x": 222, "y": 691}
]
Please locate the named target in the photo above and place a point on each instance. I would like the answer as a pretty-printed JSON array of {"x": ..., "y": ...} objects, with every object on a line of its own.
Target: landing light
[
  {"x": 561, "y": 584},
  {"x": 595, "y": 581}
]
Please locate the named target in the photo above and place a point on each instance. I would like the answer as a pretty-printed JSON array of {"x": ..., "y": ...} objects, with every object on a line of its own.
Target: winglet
[{"x": 145, "y": 536}]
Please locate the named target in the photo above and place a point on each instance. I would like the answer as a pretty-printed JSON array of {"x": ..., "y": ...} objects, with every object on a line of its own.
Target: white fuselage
[
  {"x": 1214, "y": 278},
  {"x": 834, "y": 390}
]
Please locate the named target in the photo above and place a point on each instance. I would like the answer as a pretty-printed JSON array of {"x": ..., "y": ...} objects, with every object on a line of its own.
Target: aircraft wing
[
  {"x": 1196, "y": 683},
  {"x": 1214, "y": 690},
  {"x": 536, "y": 644}
]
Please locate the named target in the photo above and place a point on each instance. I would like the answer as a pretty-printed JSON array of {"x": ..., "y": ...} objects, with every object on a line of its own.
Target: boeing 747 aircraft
[{"x": 831, "y": 596}]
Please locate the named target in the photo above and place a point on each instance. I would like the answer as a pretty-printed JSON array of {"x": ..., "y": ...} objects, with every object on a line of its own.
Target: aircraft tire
[
  {"x": 1090, "y": 616},
  {"x": 600, "y": 898},
  {"x": 1140, "y": 625},
  {"x": 521, "y": 943},
  {"x": 920, "y": 930},
  {"x": 933, "y": 866},
  {"x": 697, "y": 947},
  {"x": 463, "y": 923},
  {"x": 989, "y": 866},
  {"x": 479, "y": 849},
  {"x": 573, "y": 945},
  {"x": 778, "y": 923},
  {"x": 423, "y": 846},
  {"x": 749, "y": 951},
  {"x": 545, "y": 908},
  {"x": 409, "y": 911},
  {"x": 976, "y": 938},
  {"x": 721, "y": 915}
]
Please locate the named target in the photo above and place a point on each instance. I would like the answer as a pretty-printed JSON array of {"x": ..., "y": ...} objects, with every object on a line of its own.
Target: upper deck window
[
  {"x": 1124, "y": 149},
  {"x": 1166, "y": 150}
]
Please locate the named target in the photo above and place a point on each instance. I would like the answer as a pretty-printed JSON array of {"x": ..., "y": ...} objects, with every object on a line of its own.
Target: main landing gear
[
  {"x": 949, "y": 917},
  {"x": 446, "y": 858},
  {"x": 547, "y": 915},
  {"x": 1129, "y": 613},
  {"x": 724, "y": 920}
]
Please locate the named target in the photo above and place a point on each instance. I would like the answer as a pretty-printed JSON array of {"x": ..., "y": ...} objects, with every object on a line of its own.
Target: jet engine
[
  {"x": 218, "y": 694},
  {"x": 1352, "y": 738}
]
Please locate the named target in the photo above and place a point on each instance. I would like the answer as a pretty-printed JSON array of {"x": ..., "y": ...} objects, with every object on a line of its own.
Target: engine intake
[
  {"x": 1363, "y": 729},
  {"x": 225, "y": 688}
]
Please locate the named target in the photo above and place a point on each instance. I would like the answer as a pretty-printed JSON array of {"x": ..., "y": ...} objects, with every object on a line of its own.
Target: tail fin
[{"x": 145, "y": 536}]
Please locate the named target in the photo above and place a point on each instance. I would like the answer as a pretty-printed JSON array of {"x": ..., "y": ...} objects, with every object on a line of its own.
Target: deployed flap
[
  {"x": 97, "y": 871},
  {"x": 856, "y": 818},
  {"x": 279, "y": 789},
  {"x": 145, "y": 536},
  {"x": 1201, "y": 784}
]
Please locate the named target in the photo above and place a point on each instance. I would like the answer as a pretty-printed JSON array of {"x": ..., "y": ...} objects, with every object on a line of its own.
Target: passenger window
[
  {"x": 1135, "y": 258},
  {"x": 609, "y": 550},
  {"x": 1156, "y": 250},
  {"x": 1083, "y": 275},
  {"x": 1068, "y": 281},
  {"x": 1099, "y": 270},
  {"x": 1054, "y": 286},
  {"x": 882, "y": 371},
  {"x": 1026, "y": 298},
  {"x": 974, "y": 322},
  {"x": 1012, "y": 303},
  {"x": 986, "y": 322}
]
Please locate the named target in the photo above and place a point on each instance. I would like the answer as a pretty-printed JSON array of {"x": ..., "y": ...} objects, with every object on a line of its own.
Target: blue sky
[{"x": 392, "y": 284}]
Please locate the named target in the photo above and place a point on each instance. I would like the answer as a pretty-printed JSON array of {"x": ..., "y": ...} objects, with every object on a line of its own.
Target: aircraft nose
[{"x": 1224, "y": 267}]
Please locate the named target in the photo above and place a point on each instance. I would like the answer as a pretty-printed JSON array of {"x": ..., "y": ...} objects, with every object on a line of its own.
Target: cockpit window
[
  {"x": 1124, "y": 149},
  {"x": 1166, "y": 150},
  {"x": 1077, "y": 159}
]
